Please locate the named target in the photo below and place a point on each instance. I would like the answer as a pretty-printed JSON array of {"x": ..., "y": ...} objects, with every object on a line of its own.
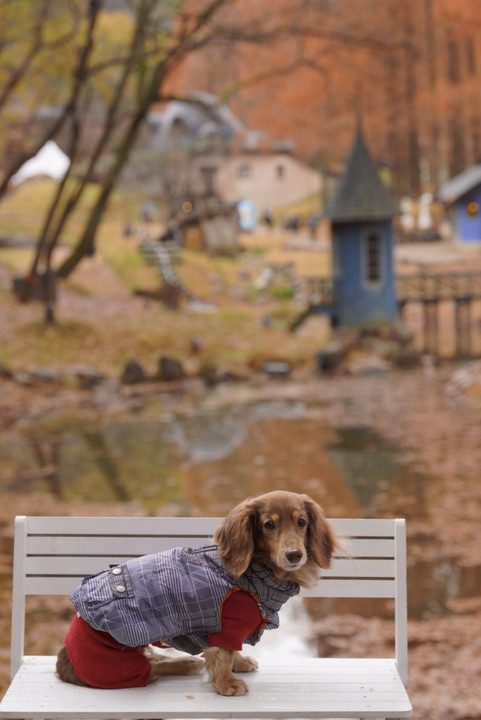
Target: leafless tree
[
  {"x": 164, "y": 33},
  {"x": 16, "y": 74}
]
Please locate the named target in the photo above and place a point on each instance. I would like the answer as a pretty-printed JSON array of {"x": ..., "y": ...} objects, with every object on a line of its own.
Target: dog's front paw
[
  {"x": 244, "y": 664},
  {"x": 233, "y": 687}
]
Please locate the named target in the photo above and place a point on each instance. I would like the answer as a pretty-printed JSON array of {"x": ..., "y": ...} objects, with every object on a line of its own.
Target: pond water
[{"x": 373, "y": 447}]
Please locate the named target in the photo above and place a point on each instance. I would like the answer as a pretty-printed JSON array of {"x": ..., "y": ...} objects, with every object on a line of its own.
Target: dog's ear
[
  {"x": 322, "y": 539},
  {"x": 235, "y": 538}
]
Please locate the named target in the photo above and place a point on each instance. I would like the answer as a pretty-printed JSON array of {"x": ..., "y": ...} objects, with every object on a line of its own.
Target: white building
[
  {"x": 225, "y": 158},
  {"x": 271, "y": 180}
]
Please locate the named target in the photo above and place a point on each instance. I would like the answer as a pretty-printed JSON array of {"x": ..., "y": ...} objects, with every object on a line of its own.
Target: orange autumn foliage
[{"x": 411, "y": 70}]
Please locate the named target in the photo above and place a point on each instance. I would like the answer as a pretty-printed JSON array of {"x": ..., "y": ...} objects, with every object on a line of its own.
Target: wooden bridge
[{"x": 425, "y": 289}]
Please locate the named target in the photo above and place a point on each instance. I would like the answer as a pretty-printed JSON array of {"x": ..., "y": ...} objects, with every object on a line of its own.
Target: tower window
[{"x": 372, "y": 258}]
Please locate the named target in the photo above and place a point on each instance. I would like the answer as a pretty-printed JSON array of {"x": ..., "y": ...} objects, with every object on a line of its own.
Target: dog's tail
[{"x": 65, "y": 669}]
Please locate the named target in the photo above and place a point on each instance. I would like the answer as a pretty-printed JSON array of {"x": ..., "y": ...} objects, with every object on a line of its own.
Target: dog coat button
[
  {"x": 120, "y": 588},
  {"x": 116, "y": 571}
]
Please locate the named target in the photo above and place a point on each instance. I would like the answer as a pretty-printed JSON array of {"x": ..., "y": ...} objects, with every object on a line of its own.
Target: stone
[
  {"x": 276, "y": 369},
  {"x": 45, "y": 376},
  {"x": 170, "y": 369},
  {"x": 24, "y": 378},
  {"x": 212, "y": 375},
  {"x": 5, "y": 371},
  {"x": 368, "y": 365},
  {"x": 209, "y": 374},
  {"x": 331, "y": 356},
  {"x": 133, "y": 373},
  {"x": 88, "y": 378},
  {"x": 407, "y": 357}
]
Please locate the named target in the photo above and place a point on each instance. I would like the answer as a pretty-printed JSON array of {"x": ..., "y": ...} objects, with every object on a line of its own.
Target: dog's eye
[
  {"x": 302, "y": 522},
  {"x": 269, "y": 525}
]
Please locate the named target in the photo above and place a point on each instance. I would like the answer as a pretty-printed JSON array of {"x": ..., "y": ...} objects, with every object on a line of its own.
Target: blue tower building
[{"x": 361, "y": 211}]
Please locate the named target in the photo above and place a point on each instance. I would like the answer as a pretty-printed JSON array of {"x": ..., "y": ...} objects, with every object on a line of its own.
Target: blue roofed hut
[{"x": 462, "y": 195}]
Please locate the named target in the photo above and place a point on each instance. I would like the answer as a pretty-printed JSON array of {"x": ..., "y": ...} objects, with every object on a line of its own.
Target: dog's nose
[{"x": 294, "y": 556}]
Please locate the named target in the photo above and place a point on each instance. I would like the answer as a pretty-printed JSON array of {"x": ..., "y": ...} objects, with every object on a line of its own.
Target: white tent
[{"x": 50, "y": 160}]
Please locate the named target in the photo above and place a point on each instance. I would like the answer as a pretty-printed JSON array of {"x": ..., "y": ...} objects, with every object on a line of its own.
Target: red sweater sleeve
[{"x": 240, "y": 618}]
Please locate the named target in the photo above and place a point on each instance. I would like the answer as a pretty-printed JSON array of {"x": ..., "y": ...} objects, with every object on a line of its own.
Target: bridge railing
[
  {"x": 437, "y": 287},
  {"x": 422, "y": 287}
]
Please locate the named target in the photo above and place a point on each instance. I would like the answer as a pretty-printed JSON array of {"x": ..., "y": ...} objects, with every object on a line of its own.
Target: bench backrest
[{"x": 53, "y": 554}]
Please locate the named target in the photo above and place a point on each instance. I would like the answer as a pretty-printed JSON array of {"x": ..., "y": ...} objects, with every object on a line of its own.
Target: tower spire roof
[{"x": 360, "y": 194}]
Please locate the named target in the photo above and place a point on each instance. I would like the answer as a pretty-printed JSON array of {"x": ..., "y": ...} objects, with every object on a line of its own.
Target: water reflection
[
  {"x": 367, "y": 462},
  {"x": 203, "y": 462},
  {"x": 213, "y": 436}
]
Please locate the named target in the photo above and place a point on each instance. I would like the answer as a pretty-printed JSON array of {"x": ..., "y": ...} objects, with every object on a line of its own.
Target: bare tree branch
[
  {"x": 38, "y": 43},
  {"x": 79, "y": 78}
]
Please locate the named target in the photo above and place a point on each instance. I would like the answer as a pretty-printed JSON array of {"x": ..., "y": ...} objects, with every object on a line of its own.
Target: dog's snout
[{"x": 294, "y": 556}]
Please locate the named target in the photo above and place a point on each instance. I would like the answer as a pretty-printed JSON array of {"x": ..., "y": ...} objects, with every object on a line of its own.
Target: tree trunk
[{"x": 86, "y": 241}]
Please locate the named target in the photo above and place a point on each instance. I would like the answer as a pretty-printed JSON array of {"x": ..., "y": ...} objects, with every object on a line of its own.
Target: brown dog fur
[{"x": 287, "y": 532}]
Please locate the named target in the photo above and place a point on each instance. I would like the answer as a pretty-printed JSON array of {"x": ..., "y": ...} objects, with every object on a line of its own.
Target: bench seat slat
[
  {"x": 134, "y": 546},
  {"x": 171, "y": 527},
  {"x": 107, "y": 545},
  {"x": 79, "y": 526},
  {"x": 329, "y": 588},
  {"x": 317, "y": 688},
  {"x": 59, "y": 565},
  {"x": 351, "y": 588}
]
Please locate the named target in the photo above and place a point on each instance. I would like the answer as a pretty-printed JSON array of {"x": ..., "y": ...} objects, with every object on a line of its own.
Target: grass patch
[
  {"x": 101, "y": 324},
  {"x": 257, "y": 250},
  {"x": 129, "y": 266},
  {"x": 53, "y": 346},
  {"x": 23, "y": 210},
  {"x": 282, "y": 292},
  {"x": 16, "y": 259}
]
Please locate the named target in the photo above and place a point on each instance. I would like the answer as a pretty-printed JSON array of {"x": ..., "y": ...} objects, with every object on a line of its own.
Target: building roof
[
  {"x": 188, "y": 123},
  {"x": 461, "y": 184},
  {"x": 360, "y": 194}
]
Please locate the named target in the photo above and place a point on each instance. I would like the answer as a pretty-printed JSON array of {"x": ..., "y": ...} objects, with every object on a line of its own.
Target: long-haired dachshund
[{"x": 208, "y": 600}]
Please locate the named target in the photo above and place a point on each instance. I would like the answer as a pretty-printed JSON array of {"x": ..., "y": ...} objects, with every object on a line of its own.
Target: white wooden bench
[{"x": 53, "y": 554}]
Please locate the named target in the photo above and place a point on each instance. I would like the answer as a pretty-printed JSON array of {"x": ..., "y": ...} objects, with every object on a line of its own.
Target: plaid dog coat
[{"x": 175, "y": 596}]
